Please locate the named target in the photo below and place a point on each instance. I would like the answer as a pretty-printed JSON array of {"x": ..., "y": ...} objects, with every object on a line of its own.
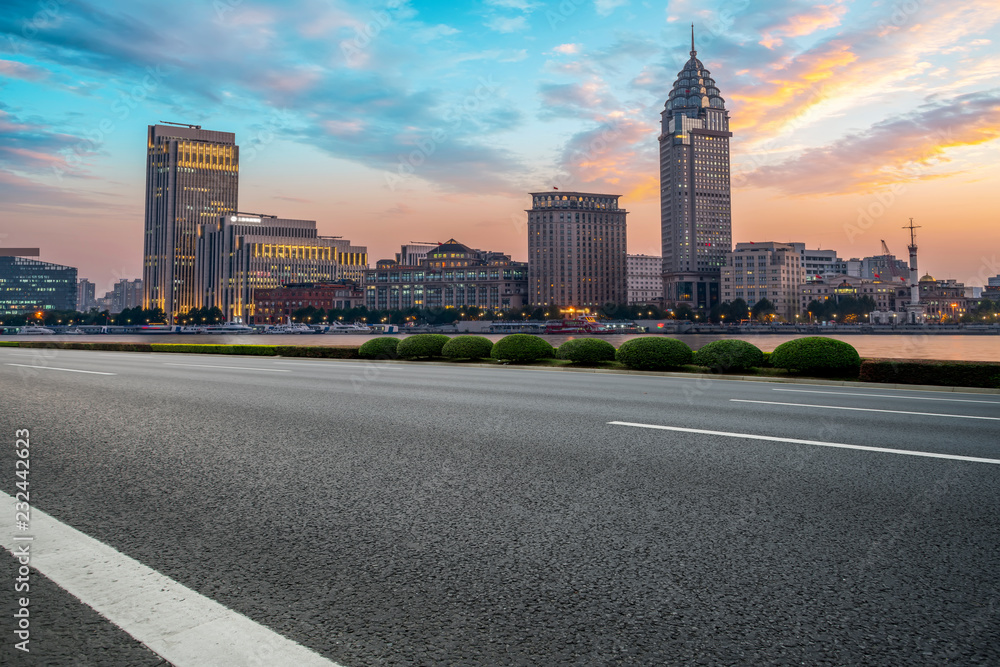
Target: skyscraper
[
  {"x": 192, "y": 177},
  {"x": 576, "y": 249},
  {"x": 695, "y": 209}
]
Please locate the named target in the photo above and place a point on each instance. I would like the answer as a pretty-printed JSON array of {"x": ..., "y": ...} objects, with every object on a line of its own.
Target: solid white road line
[
  {"x": 840, "y": 407},
  {"x": 181, "y": 625},
  {"x": 236, "y": 368},
  {"x": 68, "y": 370},
  {"x": 908, "y": 398},
  {"x": 817, "y": 443}
]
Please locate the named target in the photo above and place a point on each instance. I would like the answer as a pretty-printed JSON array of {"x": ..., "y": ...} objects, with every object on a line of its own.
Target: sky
[{"x": 399, "y": 121}]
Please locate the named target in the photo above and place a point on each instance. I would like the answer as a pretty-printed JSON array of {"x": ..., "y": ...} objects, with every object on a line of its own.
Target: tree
[
  {"x": 762, "y": 310},
  {"x": 738, "y": 311}
]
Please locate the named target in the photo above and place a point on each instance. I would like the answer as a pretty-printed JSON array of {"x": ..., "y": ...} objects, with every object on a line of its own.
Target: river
[{"x": 891, "y": 346}]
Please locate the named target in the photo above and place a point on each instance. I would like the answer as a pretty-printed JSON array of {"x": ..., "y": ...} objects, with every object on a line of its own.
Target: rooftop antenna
[
  {"x": 693, "y": 52},
  {"x": 193, "y": 127}
]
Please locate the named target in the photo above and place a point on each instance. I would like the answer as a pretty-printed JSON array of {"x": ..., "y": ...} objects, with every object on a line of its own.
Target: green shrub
[
  {"x": 929, "y": 372},
  {"x": 467, "y": 347},
  {"x": 521, "y": 348},
  {"x": 379, "y": 348},
  {"x": 8, "y": 343},
  {"x": 421, "y": 345},
  {"x": 586, "y": 351},
  {"x": 729, "y": 355},
  {"x": 817, "y": 355},
  {"x": 651, "y": 353}
]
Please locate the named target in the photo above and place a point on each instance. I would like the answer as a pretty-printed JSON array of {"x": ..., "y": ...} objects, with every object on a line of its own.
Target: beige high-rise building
[
  {"x": 768, "y": 270},
  {"x": 695, "y": 203},
  {"x": 576, "y": 249}
]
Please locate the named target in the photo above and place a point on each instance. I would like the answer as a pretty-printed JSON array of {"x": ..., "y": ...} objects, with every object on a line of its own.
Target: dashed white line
[
  {"x": 68, "y": 370},
  {"x": 816, "y": 443},
  {"x": 841, "y": 407},
  {"x": 908, "y": 398},
  {"x": 184, "y": 627},
  {"x": 235, "y": 368}
]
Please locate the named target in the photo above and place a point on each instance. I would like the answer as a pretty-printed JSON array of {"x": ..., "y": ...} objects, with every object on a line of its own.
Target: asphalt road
[{"x": 399, "y": 514}]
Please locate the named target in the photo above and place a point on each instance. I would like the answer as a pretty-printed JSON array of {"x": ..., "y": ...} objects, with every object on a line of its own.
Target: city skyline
[{"x": 393, "y": 122}]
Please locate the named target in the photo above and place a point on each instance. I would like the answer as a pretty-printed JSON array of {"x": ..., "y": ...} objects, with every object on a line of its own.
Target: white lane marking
[
  {"x": 817, "y": 443},
  {"x": 840, "y": 407},
  {"x": 181, "y": 625},
  {"x": 236, "y": 368},
  {"x": 68, "y": 370},
  {"x": 349, "y": 362},
  {"x": 908, "y": 398}
]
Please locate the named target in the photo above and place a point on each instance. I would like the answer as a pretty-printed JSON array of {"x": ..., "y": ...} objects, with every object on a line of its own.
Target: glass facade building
[
  {"x": 192, "y": 177},
  {"x": 29, "y": 285}
]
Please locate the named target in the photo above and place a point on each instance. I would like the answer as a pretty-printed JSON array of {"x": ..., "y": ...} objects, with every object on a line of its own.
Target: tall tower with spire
[{"x": 695, "y": 207}]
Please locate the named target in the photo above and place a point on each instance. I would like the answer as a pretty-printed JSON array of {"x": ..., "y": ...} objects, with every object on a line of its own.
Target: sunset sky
[{"x": 390, "y": 122}]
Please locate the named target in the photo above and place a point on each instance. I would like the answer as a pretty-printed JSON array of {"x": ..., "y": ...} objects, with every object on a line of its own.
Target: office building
[
  {"x": 28, "y": 285},
  {"x": 644, "y": 278},
  {"x": 695, "y": 201},
  {"x": 239, "y": 254},
  {"x": 453, "y": 275},
  {"x": 192, "y": 178},
  {"x": 412, "y": 253},
  {"x": 819, "y": 264},
  {"x": 769, "y": 270},
  {"x": 576, "y": 249}
]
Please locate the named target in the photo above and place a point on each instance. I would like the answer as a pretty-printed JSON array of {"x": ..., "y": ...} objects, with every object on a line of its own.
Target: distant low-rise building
[
  {"x": 944, "y": 300},
  {"x": 276, "y": 305},
  {"x": 992, "y": 289},
  {"x": 766, "y": 270},
  {"x": 28, "y": 285},
  {"x": 887, "y": 296},
  {"x": 453, "y": 275},
  {"x": 644, "y": 276}
]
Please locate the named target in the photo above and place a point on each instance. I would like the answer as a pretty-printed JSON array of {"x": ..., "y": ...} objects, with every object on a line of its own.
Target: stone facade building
[
  {"x": 576, "y": 249},
  {"x": 769, "y": 270}
]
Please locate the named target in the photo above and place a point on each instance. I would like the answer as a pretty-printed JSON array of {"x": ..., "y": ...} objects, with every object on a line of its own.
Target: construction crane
[
  {"x": 193, "y": 127},
  {"x": 891, "y": 260}
]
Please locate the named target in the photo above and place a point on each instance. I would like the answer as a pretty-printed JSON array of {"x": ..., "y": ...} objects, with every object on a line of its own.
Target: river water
[{"x": 894, "y": 346}]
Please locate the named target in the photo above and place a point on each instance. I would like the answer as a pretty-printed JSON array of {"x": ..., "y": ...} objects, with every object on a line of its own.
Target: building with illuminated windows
[
  {"x": 644, "y": 275},
  {"x": 768, "y": 270},
  {"x": 275, "y": 306},
  {"x": 192, "y": 178},
  {"x": 695, "y": 202},
  {"x": 576, "y": 249},
  {"x": 29, "y": 285},
  {"x": 452, "y": 275},
  {"x": 239, "y": 254}
]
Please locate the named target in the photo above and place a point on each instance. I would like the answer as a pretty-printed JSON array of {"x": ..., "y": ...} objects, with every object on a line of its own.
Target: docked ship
[{"x": 583, "y": 324}]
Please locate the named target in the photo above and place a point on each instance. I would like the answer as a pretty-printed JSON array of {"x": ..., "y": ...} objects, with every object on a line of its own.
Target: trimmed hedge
[
  {"x": 194, "y": 348},
  {"x": 930, "y": 372},
  {"x": 654, "y": 353},
  {"x": 318, "y": 352},
  {"x": 467, "y": 347},
  {"x": 379, "y": 348},
  {"x": 817, "y": 355},
  {"x": 586, "y": 351},
  {"x": 421, "y": 345},
  {"x": 105, "y": 347},
  {"x": 522, "y": 348},
  {"x": 729, "y": 355},
  {"x": 8, "y": 343}
]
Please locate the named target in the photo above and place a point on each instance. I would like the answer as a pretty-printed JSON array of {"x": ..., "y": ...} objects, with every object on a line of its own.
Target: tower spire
[{"x": 693, "y": 52}]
